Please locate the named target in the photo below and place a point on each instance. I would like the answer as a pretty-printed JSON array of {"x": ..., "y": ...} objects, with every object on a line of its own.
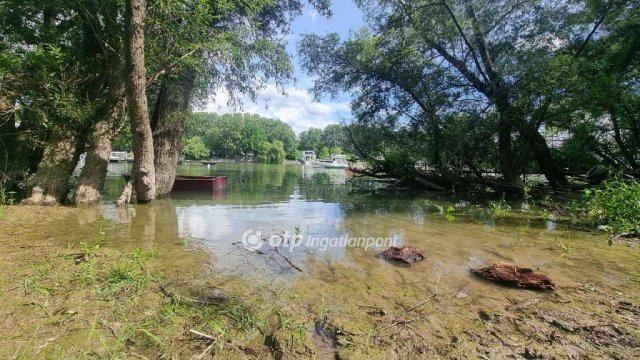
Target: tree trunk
[
  {"x": 507, "y": 116},
  {"x": 617, "y": 135},
  {"x": 7, "y": 137},
  {"x": 51, "y": 183},
  {"x": 508, "y": 163},
  {"x": 168, "y": 121},
  {"x": 143, "y": 171},
  {"x": 93, "y": 173},
  {"x": 549, "y": 167},
  {"x": 511, "y": 117}
]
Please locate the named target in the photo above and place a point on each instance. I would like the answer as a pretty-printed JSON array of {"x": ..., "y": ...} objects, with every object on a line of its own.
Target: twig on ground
[
  {"x": 106, "y": 324},
  {"x": 212, "y": 342},
  {"x": 139, "y": 356},
  {"x": 201, "y": 334},
  {"x": 205, "y": 351}
]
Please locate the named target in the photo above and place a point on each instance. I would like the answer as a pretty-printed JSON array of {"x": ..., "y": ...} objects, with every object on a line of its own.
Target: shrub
[{"x": 616, "y": 205}]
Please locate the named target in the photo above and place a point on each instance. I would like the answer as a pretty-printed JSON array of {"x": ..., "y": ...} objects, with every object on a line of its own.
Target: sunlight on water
[{"x": 264, "y": 200}]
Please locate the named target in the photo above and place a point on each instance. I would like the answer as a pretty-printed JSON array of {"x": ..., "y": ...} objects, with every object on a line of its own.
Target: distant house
[
  {"x": 117, "y": 156},
  {"x": 307, "y": 155}
]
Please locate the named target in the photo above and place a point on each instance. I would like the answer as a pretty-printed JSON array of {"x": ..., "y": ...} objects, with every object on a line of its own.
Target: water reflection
[{"x": 456, "y": 233}]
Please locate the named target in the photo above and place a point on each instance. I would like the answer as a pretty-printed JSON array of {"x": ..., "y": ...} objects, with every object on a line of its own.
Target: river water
[
  {"x": 337, "y": 221},
  {"x": 328, "y": 271}
]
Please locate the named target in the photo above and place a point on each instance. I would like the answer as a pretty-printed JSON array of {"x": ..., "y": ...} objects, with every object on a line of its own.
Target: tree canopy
[
  {"x": 473, "y": 84},
  {"x": 232, "y": 135}
]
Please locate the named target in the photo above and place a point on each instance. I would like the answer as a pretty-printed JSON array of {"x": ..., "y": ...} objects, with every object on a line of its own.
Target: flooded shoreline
[{"x": 346, "y": 302}]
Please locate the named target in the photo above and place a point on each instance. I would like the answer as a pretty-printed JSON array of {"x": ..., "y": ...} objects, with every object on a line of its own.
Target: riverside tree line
[
  {"x": 476, "y": 86},
  {"x": 74, "y": 73},
  {"x": 462, "y": 88}
]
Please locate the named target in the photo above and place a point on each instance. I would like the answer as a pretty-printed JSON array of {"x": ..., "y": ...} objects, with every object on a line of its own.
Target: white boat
[{"x": 334, "y": 162}]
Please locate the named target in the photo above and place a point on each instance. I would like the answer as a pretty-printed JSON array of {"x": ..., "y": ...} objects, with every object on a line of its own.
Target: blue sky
[{"x": 298, "y": 108}]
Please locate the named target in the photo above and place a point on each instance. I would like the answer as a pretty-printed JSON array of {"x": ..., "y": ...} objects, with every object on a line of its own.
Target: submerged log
[
  {"x": 406, "y": 254},
  {"x": 512, "y": 275}
]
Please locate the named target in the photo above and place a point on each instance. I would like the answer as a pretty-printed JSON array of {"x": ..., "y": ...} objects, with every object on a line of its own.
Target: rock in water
[
  {"x": 512, "y": 275},
  {"x": 406, "y": 254}
]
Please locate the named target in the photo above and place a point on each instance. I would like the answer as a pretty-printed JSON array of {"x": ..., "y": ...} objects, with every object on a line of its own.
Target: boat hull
[{"x": 199, "y": 183}]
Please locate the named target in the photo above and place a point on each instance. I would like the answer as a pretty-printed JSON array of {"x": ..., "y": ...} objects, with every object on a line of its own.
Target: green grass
[{"x": 615, "y": 206}]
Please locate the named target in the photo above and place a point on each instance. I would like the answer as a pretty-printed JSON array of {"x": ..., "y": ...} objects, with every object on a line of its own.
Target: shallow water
[
  {"x": 344, "y": 284},
  {"x": 327, "y": 211}
]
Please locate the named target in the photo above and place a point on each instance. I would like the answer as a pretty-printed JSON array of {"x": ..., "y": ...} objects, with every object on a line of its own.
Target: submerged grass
[
  {"x": 87, "y": 300},
  {"x": 102, "y": 303}
]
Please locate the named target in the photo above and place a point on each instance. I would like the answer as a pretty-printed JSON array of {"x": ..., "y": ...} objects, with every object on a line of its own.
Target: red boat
[{"x": 199, "y": 183}]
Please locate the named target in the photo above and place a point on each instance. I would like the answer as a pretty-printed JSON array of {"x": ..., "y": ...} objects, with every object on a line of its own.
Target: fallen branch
[{"x": 287, "y": 260}]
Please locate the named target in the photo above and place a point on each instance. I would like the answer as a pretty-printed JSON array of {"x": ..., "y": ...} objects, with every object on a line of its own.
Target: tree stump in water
[
  {"x": 405, "y": 254},
  {"x": 512, "y": 275}
]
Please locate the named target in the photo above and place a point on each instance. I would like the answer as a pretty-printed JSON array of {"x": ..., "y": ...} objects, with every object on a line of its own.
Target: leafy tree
[
  {"x": 239, "y": 134},
  {"x": 324, "y": 153},
  {"x": 311, "y": 140},
  {"x": 271, "y": 152},
  {"x": 195, "y": 149},
  {"x": 61, "y": 74},
  {"x": 425, "y": 61}
]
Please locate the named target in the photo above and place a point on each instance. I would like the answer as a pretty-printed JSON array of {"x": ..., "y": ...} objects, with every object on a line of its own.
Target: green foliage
[
  {"x": 195, "y": 149},
  {"x": 453, "y": 78},
  {"x": 331, "y": 140},
  {"x": 616, "y": 205},
  {"x": 123, "y": 140},
  {"x": 271, "y": 152},
  {"x": 239, "y": 134},
  {"x": 324, "y": 153}
]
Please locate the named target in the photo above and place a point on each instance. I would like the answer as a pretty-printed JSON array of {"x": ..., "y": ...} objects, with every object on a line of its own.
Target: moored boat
[
  {"x": 335, "y": 162},
  {"x": 199, "y": 183},
  {"x": 195, "y": 183}
]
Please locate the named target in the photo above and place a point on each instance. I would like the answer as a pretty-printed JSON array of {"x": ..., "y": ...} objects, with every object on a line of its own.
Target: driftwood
[
  {"x": 512, "y": 275},
  {"x": 406, "y": 254}
]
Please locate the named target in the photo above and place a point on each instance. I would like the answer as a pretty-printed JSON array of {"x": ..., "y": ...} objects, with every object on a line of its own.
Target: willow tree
[
  {"x": 204, "y": 47},
  {"x": 487, "y": 54},
  {"x": 598, "y": 77},
  {"x": 143, "y": 172},
  {"x": 54, "y": 85},
  {"x": 391, "y": 82}
]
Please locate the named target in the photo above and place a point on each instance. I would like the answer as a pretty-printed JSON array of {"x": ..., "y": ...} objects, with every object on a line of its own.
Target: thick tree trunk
[
  {"x": 143, "y": 172},
  {"x": 507, "y": 158},
  {"x": 549, "y": 167},
  {"x": 168, "y": 121},
  {"x": 92, "y": 177},
  {"x": 51, "y": 183},
  {"x": 511, "y": 117}
]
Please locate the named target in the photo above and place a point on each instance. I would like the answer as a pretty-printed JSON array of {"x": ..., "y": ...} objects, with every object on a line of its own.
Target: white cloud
[
  {"x": 297, "y": 107},
  {"x": 312, "y": 13}
]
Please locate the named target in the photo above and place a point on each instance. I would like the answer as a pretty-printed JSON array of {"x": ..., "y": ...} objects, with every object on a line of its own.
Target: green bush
[
  {"x": 195, "y": 149},
  {"x": 616, "y": 205}
]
